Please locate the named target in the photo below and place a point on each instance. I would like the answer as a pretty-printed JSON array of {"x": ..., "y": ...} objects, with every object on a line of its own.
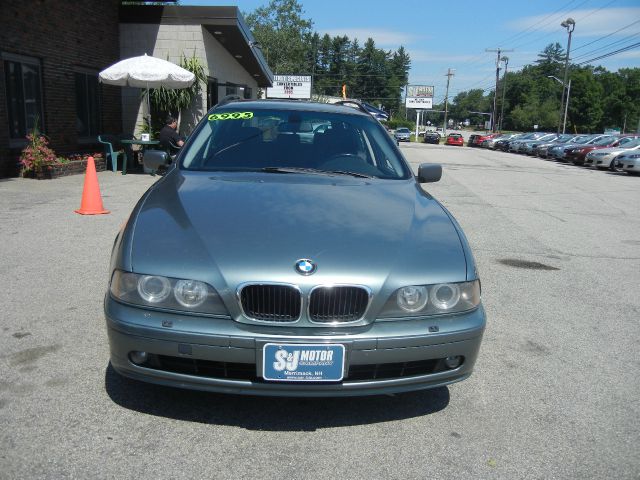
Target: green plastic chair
[{"x": 110, "y": 153}]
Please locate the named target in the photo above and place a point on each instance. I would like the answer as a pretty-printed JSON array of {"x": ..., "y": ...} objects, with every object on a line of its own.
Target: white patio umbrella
[{"x": 147, "y": 72}]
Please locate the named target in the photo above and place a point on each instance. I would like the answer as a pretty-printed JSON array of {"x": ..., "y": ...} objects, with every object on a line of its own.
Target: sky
[{"x": 443, "y": 35}]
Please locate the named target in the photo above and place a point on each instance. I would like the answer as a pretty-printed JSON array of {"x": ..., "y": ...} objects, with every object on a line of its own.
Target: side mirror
[
  {"x": 429, "y": 172},
  {"x": 154, "y": 159}
]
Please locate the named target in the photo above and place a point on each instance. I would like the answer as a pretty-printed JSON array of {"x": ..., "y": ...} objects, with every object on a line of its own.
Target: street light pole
[
  {"x": 504, "y": 90},
  {"x": 570, "y": 25},
  {"x": 566, "y": 106}
]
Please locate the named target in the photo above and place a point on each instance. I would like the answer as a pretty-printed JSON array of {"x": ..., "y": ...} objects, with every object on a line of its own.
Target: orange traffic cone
[{"x": 91, "y": 201}]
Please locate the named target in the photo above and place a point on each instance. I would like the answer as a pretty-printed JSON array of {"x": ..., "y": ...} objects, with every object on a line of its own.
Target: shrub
[
  {"x": 37, "y": 157},
  {"x": 397, "y": 123}
]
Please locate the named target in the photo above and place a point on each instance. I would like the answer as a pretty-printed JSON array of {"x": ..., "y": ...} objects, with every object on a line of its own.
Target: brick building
[{"x": 51, "y": 52}]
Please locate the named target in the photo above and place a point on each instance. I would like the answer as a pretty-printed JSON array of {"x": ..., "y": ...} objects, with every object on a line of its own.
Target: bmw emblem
[{"x": 304, "y": 266}]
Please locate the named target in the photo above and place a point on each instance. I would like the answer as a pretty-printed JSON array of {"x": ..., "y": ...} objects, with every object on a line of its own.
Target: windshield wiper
[
  {"x": 313, "y": 171},
  {"x": 351, "y": 174},
  {"x": 292, "y": 170}
]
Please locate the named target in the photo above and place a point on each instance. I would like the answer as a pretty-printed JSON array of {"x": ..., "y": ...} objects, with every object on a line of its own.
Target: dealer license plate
[{"x": 302, "y": 362}]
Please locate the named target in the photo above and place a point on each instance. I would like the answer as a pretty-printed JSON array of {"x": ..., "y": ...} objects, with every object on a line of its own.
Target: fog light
[
  {"x": 138, "y": 357},
  {"x": 453, "y": 362}
]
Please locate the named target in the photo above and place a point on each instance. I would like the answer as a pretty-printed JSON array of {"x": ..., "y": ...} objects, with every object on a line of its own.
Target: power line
[
  {"x": 605, "y": 36},
  {"x": 610, "y": 54},
  {"x": 591, "y": 52},
  {"x": 543, "y": 20}
]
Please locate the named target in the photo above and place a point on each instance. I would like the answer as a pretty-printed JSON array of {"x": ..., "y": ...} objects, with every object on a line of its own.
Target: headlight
[
  {"x": 419, "y": 300},
  {"x": 166, "y": 293},
  {"x": 412, "y": 299},
  {"x": 153, "y": 289},
  {"x": 445, "y": 296}
]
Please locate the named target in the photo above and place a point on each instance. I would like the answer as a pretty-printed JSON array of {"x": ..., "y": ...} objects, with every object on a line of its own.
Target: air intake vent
[
  {"x": 338, "y": 304},
  {"x": 271, "y": 303}
]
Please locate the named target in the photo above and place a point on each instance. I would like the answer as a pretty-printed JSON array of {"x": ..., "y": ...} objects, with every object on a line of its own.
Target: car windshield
[
  {"x": 606, "y": 140},
  {"x": 627, "y": 142},
  {"x": 566, "y": 138},
  {"x": 585, "y": 139},
  {"x": 293, "y": 141},
  {"x": 402, "y": 130},
  {"x": 548, "y": 136}
]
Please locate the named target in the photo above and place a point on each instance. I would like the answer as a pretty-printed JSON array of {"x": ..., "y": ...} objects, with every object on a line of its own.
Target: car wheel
[{"x": 614, "y": 166}]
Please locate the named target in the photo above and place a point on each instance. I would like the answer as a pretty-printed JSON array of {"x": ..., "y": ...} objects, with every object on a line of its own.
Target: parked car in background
[
  {"x": 518, "y": 144},
  {"x": 324, "y": 301},
  {"x": 454, "y": 139},
  {"x": 541, "y": 150},
  {"x": 402, "y": 134},
  {"x": 558, "y": 152},
  {"x": 476, "y": 140},
  {"x": 491, "y": 142},
  {"x": 431, "y": 137},
  {"x": 576, "y": 155},
  {"x": 528, "y": 148},
  {"x": 377, "y": 113},
  {"x": 607, "y": 158},
  {"x": 503, "y": 143},
  {"x": 629, "y": 162}
]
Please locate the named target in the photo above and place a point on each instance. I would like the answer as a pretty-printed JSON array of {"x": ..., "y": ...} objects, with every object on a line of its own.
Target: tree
[
  {"x": 284, "y": 35},
  {"x": 586, "y": 101},
  {"x": 551, "y": 60}
]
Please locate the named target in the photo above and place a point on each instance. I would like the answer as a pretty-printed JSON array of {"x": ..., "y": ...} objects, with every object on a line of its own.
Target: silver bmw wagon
[{"x": 290, "y": 250}]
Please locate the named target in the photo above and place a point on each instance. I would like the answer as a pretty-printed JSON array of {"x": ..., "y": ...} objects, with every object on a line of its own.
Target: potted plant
[{"x": 36, "y": 159}]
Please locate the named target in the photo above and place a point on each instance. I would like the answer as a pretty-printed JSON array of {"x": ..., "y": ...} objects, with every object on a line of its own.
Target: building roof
[{"x": 225, "y": 24}]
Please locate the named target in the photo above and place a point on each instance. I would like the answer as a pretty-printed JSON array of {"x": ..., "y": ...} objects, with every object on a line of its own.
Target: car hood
[
  {"x": 230, "y": 228},
  {"x": 616, "y": 149}
]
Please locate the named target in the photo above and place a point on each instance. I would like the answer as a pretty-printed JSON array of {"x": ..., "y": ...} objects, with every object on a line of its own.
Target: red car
[
  {"x": 454, "y": 139},
  {"x": 476, "y": 140}
]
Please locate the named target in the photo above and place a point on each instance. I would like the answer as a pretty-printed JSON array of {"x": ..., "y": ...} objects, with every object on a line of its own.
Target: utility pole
[
  {"x": 446, "y": 98},
  {"x": 495, "y": 93}
]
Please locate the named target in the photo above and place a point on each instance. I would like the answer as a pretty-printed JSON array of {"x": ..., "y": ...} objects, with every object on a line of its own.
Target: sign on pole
[
  {"x": 419, "y": 96},
  {"x": 290, "y": 86}
]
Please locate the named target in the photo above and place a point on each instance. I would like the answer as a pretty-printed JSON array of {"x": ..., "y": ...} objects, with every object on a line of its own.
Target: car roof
[{"x": 295, "y": 105}]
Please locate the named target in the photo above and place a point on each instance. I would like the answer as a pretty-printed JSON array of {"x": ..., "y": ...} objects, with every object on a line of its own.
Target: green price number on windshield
[{"x": 230, "y": 116}]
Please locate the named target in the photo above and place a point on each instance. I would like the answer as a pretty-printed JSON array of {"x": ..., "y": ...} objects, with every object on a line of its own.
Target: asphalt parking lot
[{"x": 555, "y": 393}]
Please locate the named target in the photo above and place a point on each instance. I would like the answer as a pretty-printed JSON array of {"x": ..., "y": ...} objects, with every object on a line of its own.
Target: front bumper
[
  {"x": 630, "y": 166},
  {"x": 223, "y": 347}
]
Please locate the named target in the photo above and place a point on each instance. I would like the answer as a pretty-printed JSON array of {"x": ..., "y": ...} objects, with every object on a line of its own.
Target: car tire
[{"x": 613, "y": 166}]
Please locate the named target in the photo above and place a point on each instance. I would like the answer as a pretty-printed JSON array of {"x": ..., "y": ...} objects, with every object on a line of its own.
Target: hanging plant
[{"x": 171, "y": 100}]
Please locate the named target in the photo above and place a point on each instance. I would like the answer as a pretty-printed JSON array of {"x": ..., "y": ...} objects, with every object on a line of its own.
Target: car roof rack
[
  {"x": 357, "y": 104},
  {"x": 228, "y": 99}
]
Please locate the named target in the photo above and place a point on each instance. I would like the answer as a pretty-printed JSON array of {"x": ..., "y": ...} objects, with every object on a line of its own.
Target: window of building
[
  {"x": 23, "y": 79},
  {"x": 247, "y": 93},
  {"x": 232, "y": 89},
  {"x": 88, "y": 111},
  {"x": 212, "y": 92}
]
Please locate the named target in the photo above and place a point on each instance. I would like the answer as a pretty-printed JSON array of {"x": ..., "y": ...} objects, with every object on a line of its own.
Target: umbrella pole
[{"x": 148, "y": 110}]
